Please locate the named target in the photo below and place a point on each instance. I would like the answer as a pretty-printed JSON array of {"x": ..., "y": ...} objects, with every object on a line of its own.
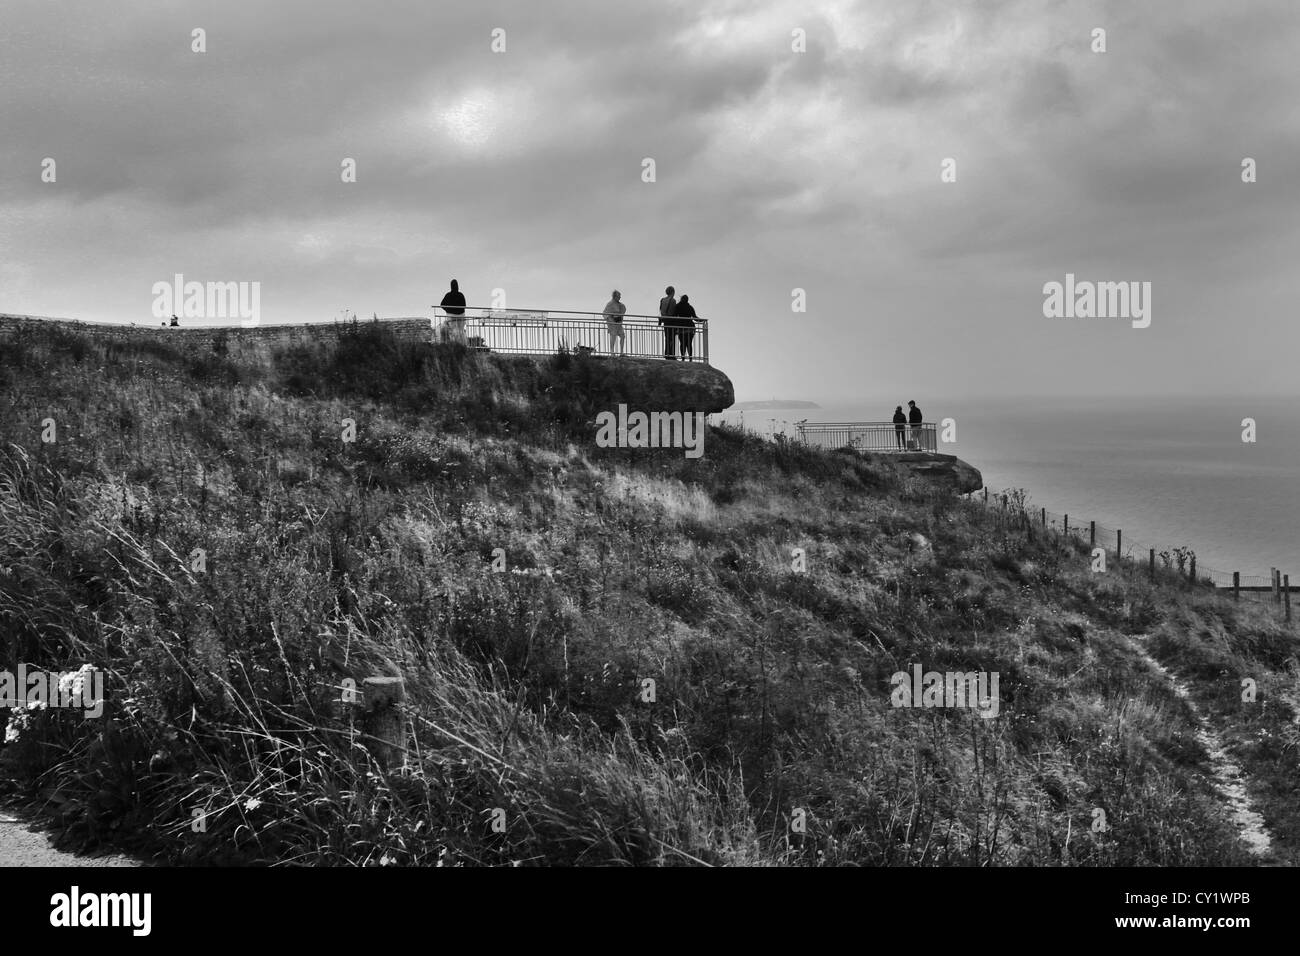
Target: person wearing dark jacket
[
  {"x": 453, "y": 303},
  {"x": 684, "y": 320},
  {"x": 666, "y": 306},
  {"x": 900, "y": 427},
  {"x": 914, "y": 416}
]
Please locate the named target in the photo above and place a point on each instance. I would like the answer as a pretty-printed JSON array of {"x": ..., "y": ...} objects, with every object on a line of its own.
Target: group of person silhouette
[
  {"x": 901, "y": 421},
  {"x": 676, "y": 317}
]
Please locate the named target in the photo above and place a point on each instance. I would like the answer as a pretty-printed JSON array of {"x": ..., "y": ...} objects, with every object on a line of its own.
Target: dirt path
[
  {"x": 1228, "y": 777},
  {"x": 22, "y": 846}
]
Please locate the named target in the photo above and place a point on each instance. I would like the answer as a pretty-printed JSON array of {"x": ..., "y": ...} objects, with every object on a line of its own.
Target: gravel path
[
  {"x": 1229, "y": 778},
  {"x": 21, "y": 846}
]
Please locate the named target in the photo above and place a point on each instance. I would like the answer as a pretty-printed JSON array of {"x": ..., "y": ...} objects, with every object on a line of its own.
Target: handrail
[
  {"x": 557, "y": 312},
  {"x": 809, "y": 424}
]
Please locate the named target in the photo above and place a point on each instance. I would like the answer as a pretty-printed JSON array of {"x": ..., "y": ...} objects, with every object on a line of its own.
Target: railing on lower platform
[
  {"x": 532, "y": 332},
  {"x": 869, "y": 436}
]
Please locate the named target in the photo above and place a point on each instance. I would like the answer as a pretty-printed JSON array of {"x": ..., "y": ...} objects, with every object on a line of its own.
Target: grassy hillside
[{"x": 226, "y": 737}]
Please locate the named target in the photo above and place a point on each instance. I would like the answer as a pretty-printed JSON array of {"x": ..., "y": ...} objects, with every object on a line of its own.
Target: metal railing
[
  {"x": 539, "y": 332},
  {"x": 869, "y": 436}
]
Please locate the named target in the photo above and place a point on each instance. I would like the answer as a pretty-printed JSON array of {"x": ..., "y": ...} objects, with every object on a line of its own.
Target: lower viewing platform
[{"x": 869, "y": 436}]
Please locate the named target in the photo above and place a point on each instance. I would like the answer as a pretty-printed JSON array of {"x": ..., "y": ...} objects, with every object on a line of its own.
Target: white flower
[{"x": 252, "y": 803}]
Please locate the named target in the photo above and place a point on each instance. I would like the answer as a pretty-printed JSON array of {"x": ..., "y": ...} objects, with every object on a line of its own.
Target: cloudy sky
[{"x": 776, "y": 170}]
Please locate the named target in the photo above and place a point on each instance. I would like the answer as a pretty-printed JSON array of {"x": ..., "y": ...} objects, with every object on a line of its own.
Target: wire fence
[{"x": 1129, "y": 555}]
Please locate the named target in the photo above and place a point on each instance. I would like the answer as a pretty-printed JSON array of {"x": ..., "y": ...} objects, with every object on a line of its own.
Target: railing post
[
  {"x": 1277, "y": 585},
  {"x": 1286, "y": 593},
  {"x": 1236, "y": 585},
  {"x": 1152, "y": 560},
  {"x": 705, "y": 340}
]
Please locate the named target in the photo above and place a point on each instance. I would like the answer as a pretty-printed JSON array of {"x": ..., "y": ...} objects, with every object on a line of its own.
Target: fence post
[
  {"x": 1119, "y": 547},
  {"x": 1067, "y": 526},
  {"x": 1286, "y": 594},
  {"x": 1153, "y": 564},
  {"x": 986, "y": 494},
  {"x": 382, "y": 719},
  {"x": 1191, "y": 572},
  {"x": 1044, "y": 519},
  {"x": 1236, "y": 585}
]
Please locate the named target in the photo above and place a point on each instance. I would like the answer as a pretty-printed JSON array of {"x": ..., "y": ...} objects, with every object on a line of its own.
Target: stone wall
[{"x": 204, "y": 337}]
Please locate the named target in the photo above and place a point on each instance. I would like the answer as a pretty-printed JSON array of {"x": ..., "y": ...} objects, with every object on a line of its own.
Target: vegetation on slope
[{"x": 226, "y": 738}]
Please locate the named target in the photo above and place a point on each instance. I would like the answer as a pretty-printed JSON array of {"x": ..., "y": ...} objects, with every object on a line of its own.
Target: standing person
[
  {"x": 614, "y": 310},
  {"x": 900, "y": 427},
  {"x": 685, "y": 320},
  {"x": 453, "y": 303},
  {"x": 914, "y": 416},
  {"x": 667, "y": 308}
]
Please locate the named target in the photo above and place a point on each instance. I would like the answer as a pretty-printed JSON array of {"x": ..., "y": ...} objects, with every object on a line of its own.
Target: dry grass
[{"x": 526, "y": 690}]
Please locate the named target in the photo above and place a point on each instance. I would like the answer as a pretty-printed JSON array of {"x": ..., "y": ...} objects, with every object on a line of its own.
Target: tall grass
[{"x": 531, "y": 735}]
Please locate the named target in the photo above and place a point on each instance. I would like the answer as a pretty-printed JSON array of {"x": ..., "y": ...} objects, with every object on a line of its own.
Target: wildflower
[
  {"x": 20, "y": 718},
  {"x": 252, "y": 803}
]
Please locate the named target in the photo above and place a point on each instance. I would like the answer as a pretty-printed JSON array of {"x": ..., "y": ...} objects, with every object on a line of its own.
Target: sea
[{"x": 1167, "y": 471}]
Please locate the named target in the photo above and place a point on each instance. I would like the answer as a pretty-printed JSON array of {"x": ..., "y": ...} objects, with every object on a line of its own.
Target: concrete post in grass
[
  {"x": 382, "y": 720},
  {"x": 1236, "y": 585}
]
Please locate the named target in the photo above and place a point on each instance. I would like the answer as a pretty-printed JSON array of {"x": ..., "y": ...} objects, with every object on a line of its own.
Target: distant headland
[{"x": 772, "y": 403}]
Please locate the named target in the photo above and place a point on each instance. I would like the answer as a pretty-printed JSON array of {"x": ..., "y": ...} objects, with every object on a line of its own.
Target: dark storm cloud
[{"x": 774, "y": 169}]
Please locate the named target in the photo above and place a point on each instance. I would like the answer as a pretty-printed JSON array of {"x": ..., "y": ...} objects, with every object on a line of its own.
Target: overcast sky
[{"x": 776, "y": 170}]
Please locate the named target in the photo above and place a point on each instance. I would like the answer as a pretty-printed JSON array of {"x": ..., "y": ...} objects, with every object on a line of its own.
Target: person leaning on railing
[
  {"x": 667, "y": 306},
  {"x": 453, "y": 303},
  {"x": 684, "y": 321}
]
